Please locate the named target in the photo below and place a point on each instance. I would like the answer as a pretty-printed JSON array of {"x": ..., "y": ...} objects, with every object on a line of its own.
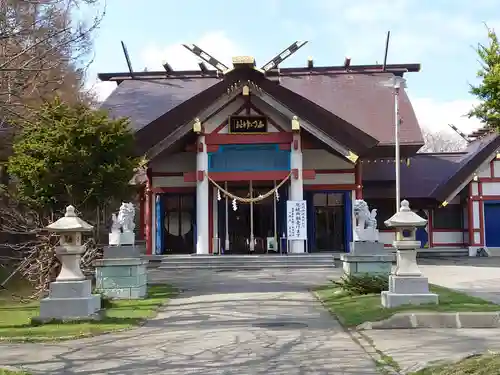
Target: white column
[
  {"x": 226, "y": 244},
  {"x": 202, "y": 200},
  {"x": 296, "y": 187},
  {"x": 215, "y": 218}
]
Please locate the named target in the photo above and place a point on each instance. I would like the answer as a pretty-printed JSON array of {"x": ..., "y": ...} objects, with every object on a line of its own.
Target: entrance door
[
  {"x": 329, "y": 222},
  {"x": 238, "y": 221},
  {"x": 491, "y": 226}
]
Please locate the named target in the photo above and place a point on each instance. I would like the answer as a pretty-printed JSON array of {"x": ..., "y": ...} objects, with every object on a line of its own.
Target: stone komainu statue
[{"x": 366, "y": 222}]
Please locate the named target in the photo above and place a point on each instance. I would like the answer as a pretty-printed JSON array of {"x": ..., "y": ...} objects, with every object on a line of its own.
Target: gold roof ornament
[
  {"x": 295, "y": 123},
  {"x": 197, "y": 125},
  {"x": 352, "y": 156}
]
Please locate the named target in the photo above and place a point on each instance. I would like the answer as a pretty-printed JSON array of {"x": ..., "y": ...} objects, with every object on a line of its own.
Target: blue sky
[{"x": 439, "y": 34}]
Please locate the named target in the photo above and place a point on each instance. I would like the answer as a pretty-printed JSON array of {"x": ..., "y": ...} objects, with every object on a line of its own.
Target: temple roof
[{"x": 337, "y": 100}]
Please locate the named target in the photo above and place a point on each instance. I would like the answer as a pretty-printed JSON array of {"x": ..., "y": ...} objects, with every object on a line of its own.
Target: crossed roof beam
[{"x": 271, "y": 67}]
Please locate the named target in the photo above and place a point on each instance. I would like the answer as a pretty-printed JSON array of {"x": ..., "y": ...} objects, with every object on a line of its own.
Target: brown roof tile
[{"x": 362, "y": 100}]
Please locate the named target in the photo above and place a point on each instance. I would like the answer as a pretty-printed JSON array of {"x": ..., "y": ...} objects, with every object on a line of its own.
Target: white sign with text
[{"x": 296, "y": 218}]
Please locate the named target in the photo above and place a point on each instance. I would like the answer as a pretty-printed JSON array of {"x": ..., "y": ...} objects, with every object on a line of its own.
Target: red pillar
[
  {"x": 142, "y": 213},
  {"x": 358, "y": 180},
  {"x": 148, "y": 218},
  {"x": 470, "y": 216}
]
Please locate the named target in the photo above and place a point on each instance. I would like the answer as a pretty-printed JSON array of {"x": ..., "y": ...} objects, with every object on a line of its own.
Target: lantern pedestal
[
  {"x": 122, "y": 274},
  {"x": 70, "y": 296},
  {"x": 407, "y": 286}
]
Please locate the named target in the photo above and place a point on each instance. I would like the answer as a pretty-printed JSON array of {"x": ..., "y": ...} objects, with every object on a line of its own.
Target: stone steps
[{"x": 233, "y": 262}]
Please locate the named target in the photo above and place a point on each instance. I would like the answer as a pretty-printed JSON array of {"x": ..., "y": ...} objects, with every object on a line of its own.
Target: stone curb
[{"x": 436, "y": 320}]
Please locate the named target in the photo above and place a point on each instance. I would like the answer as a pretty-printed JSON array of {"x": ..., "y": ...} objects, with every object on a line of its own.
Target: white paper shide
[{"x": 122, "y": 227}]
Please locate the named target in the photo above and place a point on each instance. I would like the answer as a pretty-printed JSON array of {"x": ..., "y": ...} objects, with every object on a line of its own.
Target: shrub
[{"x": 363, "y": 284}]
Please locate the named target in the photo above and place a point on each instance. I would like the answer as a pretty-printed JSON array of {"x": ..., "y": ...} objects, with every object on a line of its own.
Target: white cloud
[
  {"x": 431, "y": 114},
  {"x": 435, "y": 116},
  {"x": 214, "y": 43}
]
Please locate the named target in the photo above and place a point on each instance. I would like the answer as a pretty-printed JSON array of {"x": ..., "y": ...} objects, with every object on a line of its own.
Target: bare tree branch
[{"x": 442, "y": 142}]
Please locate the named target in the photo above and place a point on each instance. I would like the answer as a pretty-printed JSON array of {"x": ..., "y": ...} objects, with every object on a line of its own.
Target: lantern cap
[
  {"x": 70, "y": 222},
  {"x": 405, "y": 217}
]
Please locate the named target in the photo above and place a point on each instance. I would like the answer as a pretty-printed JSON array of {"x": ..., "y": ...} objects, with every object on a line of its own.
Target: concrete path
[
  {"x": 413, "y": 349},
  {"x": 224, "y": 323}
]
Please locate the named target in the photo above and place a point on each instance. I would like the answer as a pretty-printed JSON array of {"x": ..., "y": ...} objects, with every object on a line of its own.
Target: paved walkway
[
  {"x": 224, "y": 323},
  {"x": 412, "y": 349}
]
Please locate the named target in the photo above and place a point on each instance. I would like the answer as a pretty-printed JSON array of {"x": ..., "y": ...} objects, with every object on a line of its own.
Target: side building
[{"x": 320, "y": 134}]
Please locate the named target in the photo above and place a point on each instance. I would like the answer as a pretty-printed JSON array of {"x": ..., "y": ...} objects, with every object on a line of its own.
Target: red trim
[
  {"x": 142, "y": 213},
  {"x": 487, "y": 198},
  {"x": 285, "y": 146},
  {"x": 212, "y": 148},
  {"x": 388, "y": 245},
  {"x": 470, "y": 214},
  {"x": 167, "y": 174},
  {"x": 190, "y": 176},
  {"x": 330, "y": 187},
  {"x": 492, "y": 168},
  {"x": 481, "y": 215},
  {"x": 179, "y": 189},
  {"x": 243, "y": 139},
  {"x": 224, "y": 123},
  {"x": 430, "y": 229},
  {"x": 210, "y": 219},
  {"x": 149, "y": 220},
  {"x": 358, "y": 180},
  {"x": 335, "y": 171},
  {"x": 460, "y": 230},
  {"x": 247, "y": 176},
  {"x": 489, "y": 179},
  {"x": 308, "y": 174},
  {"x": 451, "y": 244}
]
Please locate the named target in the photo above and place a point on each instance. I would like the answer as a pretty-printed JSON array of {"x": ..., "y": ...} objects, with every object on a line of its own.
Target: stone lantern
[
  {"x": 406, "y": 283},
  {"x": 70, "y": 296}
]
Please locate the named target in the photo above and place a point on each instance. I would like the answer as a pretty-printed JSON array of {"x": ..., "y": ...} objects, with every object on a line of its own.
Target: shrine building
[{"x": 227, "y": 148}]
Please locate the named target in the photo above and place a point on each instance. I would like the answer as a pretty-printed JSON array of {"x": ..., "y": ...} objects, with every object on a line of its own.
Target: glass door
[{"x": 329, "y": 222}]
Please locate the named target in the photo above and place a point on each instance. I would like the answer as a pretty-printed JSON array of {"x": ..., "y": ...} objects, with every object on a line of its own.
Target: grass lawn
[
  {"x": 487, "y": 364},
  {"x": 15, "y": 317},
  {"x": 354, "y": 310},
  {"x": 9, "y": 372}
]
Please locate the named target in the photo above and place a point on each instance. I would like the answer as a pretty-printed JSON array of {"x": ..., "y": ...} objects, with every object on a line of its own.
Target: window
[
  {"x": 449, "y": 217},
  {"x": 328, "y": 199},
  {"x": 385, "y": 209}
]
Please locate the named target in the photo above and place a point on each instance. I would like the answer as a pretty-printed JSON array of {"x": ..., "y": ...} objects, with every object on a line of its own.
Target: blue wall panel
[
  {"x": 159, "y": 215},
  {"x": 249, "y": 158},
  {"x": 348, "y": 220},
  {"x": 491, "y": 226}
]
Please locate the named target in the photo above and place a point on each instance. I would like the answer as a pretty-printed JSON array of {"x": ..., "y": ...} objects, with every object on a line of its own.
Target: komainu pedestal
[
  {"x": 122, "y": 273},
  {"x": 367, "y": 255}
]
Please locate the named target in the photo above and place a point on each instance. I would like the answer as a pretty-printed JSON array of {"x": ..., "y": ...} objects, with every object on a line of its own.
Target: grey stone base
[
  {"x": 390, "y": 299},
  {"x": 69, "y": 308},
  {"x": 371, "y": 264},
  {"x": 408, "y": 290},
  {"x": 436, "y": 320},
  {"x": 70, "y": 289},
  {"x": 367, "y": 248},
  {"x": 124, "y": 278},
  {"x": 122, "y": 251}
]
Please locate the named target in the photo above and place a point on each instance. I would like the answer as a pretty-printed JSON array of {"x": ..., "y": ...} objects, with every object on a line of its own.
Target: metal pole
[
  {"x": 275, "y": 217},
  {"x": 396, "y": 143},
  {"x": 226, "y": 239},
  {"x": 252, "y": 247}
]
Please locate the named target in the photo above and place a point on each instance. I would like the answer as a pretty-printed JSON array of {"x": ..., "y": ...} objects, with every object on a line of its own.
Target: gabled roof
[
  {"x": 432, "y": 175},
  {"x": 361, "y": 100},
  {"x": 477, "y": 153},
  {"x": 424, "y": 173},
  {"x": 351, "y": 106}
]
